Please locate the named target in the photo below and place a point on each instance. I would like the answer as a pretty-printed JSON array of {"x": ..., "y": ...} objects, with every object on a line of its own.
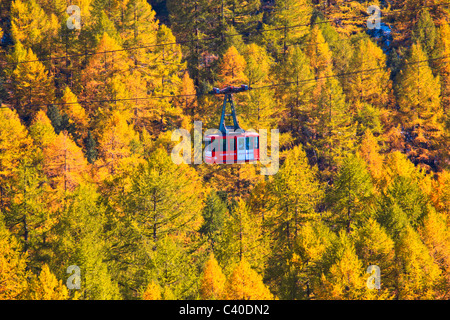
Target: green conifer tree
[{"x": 352, "y": 192}]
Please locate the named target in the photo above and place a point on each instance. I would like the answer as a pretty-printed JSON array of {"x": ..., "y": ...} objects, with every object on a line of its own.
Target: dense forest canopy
[{"x": 89, "y": 99}]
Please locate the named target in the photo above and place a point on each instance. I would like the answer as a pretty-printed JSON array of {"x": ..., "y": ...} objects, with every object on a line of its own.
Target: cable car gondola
[{"x": 232, "y": 144}]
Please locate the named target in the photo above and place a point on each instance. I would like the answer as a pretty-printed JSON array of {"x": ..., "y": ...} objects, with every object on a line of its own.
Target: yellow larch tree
[
  {"x": 13, "y": 275},
  {"x": 319, "y": 52},
  {"x": 345, "y": 279},
  {"x": 188, "y": 101},
  {"x": 104, "y": 80},
  {"x": 370, "y": 152},
  {"x": 441, "y": 63},
  {"x": 375, "y": 247},
  {"x": 33, "y": 86},
  {"x": 368, "y": 87},
  {"x": 115, "y": 143},
  {"x": 435, "y": 233},
  {"x": 314, "y": 240},
  {"x": 232, "y": 69},
  {"x": 30, "y": 24},
  {"x": 15, "y": 145},
  {"x": 257, "y": 107},
  {"x": 77, "y": 114},
  {"x": 47, "y": 287},
  {"x": 441, "y": 194},
  {"x": 64, "y": 163},
  {"x": 212, "y": 281},
  {"x": 419, "y": 276},
  {"x": 245, "y": 283},
  {"x": 242, "y": 238},
  {"x": 420, "y": 112},
  {"x": 152, "y": 292},
  {"x": 41, "y": 130}
]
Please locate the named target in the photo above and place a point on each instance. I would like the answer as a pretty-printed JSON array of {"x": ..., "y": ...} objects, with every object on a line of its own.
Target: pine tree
[
  {"x": 442, "y": 67},
  {"x": 76, "y": 114},
  {"x": 212, "y": 281},
  {"x": 104, "y": 79},
  {"x": 15, "y": 56},
  {"x": 340, "y": 45},
  {"x": 60, "y": 121},
  {"x": 165, "y": 80},
  {"x": 139, "y": 26},
  {"x": 242, "y": 15},
  {"x": 200, "y": 16},
  {"x": 56, "y": 7},
  {"x": 189, "y": 102},
  {"x": 370, "y": 118},
  {"x": 232, "y": 38},
  {"x": 442, "y": 49},
  {"x": 403, "y": 203},
  {"x": 236, "y": 180},
  {"x": 411, "y": 11},
  {"x": 420, "y": 112},
  {"x": 30, "y": 213},
  {"x": 169, "y": 264},
  {"x": 333, "y": 131},
  {"x": 345, "y": 15},
  {"x": 397, "y": 164},
  {"x": 441, "y": 196},
  {"x": 295, "y": 192},
  {"x": 319, "y": 52},
  {"x": 196, "y": 20},
  {"x": 102, "y": 24},
  {"x": 245, "y": 283}
]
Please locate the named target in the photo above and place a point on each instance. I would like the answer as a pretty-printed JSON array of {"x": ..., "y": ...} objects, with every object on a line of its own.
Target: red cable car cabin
[
  {"x": 232, "y": 145},
  {"x": 233, "y": 148}
]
